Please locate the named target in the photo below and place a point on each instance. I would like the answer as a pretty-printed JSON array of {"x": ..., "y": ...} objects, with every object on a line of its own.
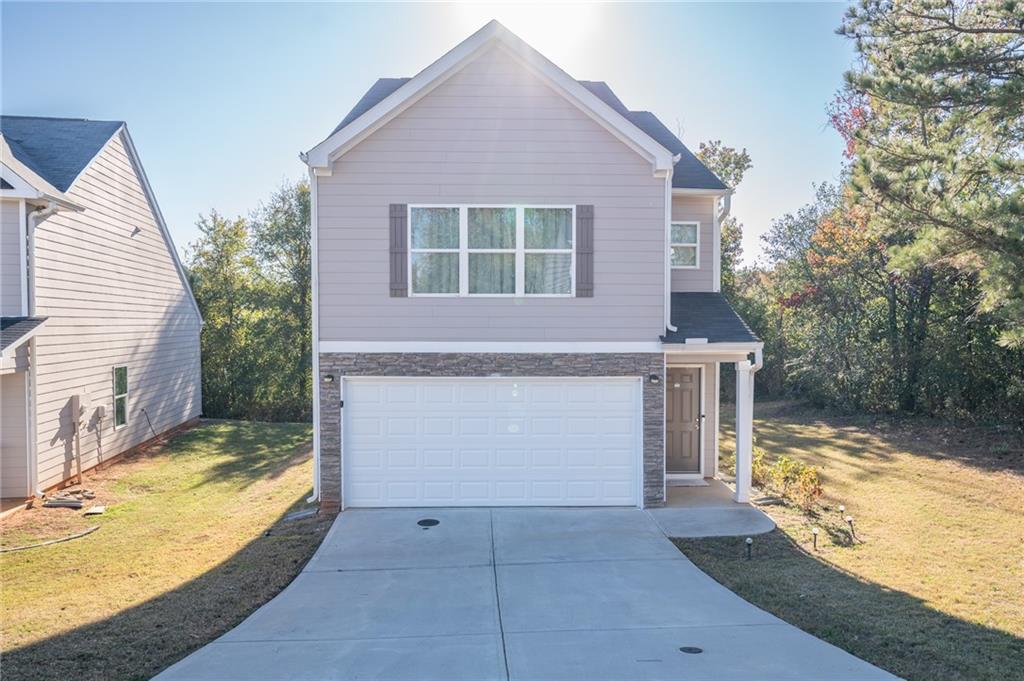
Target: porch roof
[
  {"x": 707, "y": 317},
  {"x": 15, "y": 330}
]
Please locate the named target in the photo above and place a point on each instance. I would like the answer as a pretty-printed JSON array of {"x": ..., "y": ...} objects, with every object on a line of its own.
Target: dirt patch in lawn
[{"x": 193, "y": 541}]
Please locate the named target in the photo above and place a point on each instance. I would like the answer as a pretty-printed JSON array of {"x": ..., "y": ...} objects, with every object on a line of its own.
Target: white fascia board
[
  {"x": 706, "y": 348},
  {"x": 686, "y": 191},
  {"x": 155, "y": 207},
  {"x": 504, "y": 347},
  {"x": 322, "y": 155}
]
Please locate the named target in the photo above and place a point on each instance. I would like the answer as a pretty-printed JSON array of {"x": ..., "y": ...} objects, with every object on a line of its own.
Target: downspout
[
  {"x": 668, "y": 246},
  {"x": 315, "y": 341},
  {"x": 33, "y": 219}
]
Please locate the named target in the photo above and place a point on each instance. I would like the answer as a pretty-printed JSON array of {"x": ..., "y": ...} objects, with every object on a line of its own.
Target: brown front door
[{"x": 682, "y": 421}]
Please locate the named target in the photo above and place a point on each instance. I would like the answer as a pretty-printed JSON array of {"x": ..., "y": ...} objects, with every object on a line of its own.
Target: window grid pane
[
  {"x": 120, "y": 411},
  {"x": 548, "y": 228},
  {"x": 492, "y": 273},
  {"x": 548, "y": 273},
  {"x": 120, "y": 380},
  {"x": 492, "y": 228},
  {"x": 435, "y": 272},
  {"x": 684, "y": 234},
  {"x": 435, "y": 228},
  {"x": 684, "y": 256}
]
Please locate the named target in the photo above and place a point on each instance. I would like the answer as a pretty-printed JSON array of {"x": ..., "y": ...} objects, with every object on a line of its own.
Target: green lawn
[
  {"x": 933, "y": 585},
  {"x": 181, "y": 555}
]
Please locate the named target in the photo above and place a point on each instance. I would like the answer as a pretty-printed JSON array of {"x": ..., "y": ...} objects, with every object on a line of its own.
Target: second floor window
[
  {"x": 685, "y": 244},
  {"x": 491, "y": 250}
]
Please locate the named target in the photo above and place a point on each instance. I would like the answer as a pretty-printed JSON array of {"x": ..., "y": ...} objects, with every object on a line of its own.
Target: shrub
[
  {"x": 761, "y": 470},
  {"x": 790, "y": 479},
  {"x": 806, "y": 488},
  {"x": 784, "y": 474}
]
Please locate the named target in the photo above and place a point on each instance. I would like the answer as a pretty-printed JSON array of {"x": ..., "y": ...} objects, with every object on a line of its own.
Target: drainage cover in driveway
[
  {"x": 428, "y": 522},
  {"x": 691, "y": 650}
]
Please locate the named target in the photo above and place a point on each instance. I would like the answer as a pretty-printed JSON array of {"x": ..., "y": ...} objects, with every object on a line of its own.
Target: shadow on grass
[
  {"x": 247, "y": 452},
  {"x": 869, "y": 440},
  {"x": 888, "y": 628},
  {"x": 139, "y": 642}
]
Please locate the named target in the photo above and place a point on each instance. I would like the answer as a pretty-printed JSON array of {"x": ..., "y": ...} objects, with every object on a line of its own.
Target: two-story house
[
  {"x": 99, "y": 329},
  {"x": 516, "y": 294}
]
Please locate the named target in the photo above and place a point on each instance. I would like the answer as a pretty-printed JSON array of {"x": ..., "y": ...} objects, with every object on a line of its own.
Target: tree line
[{"x": 899, "y": 289}]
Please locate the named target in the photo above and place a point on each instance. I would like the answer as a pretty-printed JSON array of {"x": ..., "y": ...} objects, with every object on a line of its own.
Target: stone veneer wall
[{"x": 342, "y": 365}]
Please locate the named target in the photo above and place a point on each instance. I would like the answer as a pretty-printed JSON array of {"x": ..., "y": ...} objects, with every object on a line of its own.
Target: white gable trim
[
  {"x": 151, "y": 198},
  {"x": 322, "y": 155}
]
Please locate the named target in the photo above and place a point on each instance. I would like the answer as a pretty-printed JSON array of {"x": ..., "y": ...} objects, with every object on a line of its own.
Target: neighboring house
[
  {"x": 97, "y": 315},
  {"x": 516, "y": 294}
]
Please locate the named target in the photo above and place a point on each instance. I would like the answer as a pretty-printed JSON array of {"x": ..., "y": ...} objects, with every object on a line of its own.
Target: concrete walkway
[
  {"x": 709, "y": 511},
  {"x": 539, "y": 594}
]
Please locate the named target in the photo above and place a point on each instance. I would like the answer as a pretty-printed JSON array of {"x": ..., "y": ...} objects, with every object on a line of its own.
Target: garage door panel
[{"x": 441, "y": 442}]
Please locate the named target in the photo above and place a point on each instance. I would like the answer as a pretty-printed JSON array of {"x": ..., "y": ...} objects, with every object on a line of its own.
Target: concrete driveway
[{"x": 537, "y": 594}]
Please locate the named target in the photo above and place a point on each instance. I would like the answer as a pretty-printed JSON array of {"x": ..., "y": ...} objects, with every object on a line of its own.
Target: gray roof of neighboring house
[
  {"x": 707, "y": 315},
  {"x": 56, "y": 149},
  {"x": 13, "y": 329},
  {"x": 689, "y": 172}
]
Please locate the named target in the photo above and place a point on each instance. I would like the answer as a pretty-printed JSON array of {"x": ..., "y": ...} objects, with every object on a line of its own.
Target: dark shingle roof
[
  {"x": 56, "y": 149},
  {"x": 13, "y": 329},
  {"x": 689, "y": 172},
  {"x": 707, "y": 315}
]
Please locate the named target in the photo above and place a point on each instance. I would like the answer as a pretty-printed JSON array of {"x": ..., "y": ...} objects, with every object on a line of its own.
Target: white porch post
[{"x": 744, "y": 429}]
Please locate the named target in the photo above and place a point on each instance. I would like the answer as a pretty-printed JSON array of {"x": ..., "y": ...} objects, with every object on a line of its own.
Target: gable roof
[
  {"x": 688, "y": 171},
  {"x": 389, "y": 97},
  {"x": 56, "y": 149}
]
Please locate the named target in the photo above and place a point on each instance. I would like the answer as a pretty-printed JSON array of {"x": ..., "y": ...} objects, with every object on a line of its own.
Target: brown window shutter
[
  {"x": 399, "y": 228},
  {"x": 584, "y": 251}
]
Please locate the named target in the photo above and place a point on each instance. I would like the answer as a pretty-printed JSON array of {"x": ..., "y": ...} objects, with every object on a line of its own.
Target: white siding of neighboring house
[
  {"x": 113, "y": 297},
  {"x": 696, "y": 209},
  {"x": 10, "y": 258},
  {"x": 13, "y": 440},
  {"x": 493, "y": 133}
]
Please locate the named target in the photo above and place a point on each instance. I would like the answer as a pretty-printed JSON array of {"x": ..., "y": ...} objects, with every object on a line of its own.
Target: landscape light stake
[
  {"x": 750, "y": 543},
  {"x": 814, "y": 532},
  {"x": 842, "y": 509},
  {"x": 849, "y": 521}
]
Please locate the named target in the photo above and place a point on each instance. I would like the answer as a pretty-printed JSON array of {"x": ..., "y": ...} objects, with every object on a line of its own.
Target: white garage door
[{"x": 491, "y": 442}]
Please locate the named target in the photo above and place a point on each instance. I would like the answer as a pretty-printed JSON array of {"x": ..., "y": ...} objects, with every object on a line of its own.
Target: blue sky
[{"x": 221, "y": 98}]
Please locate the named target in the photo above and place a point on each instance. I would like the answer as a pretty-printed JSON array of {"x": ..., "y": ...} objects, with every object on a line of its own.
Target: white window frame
[
  {"x": 695, "y": 245},
  {"x": 117, "y": 396},
  {"x": 463, "y": 250}
]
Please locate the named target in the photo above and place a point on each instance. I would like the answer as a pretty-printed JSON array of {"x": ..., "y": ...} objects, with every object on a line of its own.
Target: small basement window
[
  {"x": 685, "y": 245},
  {"x": 120, "y": 396}
]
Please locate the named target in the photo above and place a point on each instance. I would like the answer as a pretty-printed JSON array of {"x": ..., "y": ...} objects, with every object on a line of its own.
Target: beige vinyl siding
[
  {"x": 491, "y": 134},
  {"x": 13, "y": 440},
  {"x": 696, "y": 209},
  {"x": 113, "y": 297},
  {"x": 10, "y": 258}
]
